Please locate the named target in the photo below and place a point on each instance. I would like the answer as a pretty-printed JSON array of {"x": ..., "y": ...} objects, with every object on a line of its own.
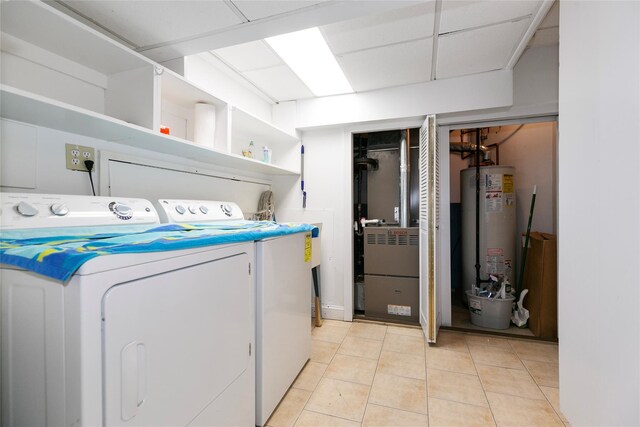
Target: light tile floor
[{"x": 367, "y": 374}]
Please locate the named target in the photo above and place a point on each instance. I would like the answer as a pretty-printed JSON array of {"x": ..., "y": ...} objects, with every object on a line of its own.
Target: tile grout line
[
  {"x": 538, "y": 385},
  {"x": 398, "y": 409},
  {"x": 543, "y": 393},
  {"x": 482, "y": 385},
  {"x": 456, "y": 372},
  {"x": 327, "y": 415},
  {"x": 374, "y": 376},
  {"x": 351, "y": 382},
  {"x": 560, "y": 417},
  {"x": 321, "y": 377},
  {"x": 400, "y": 376}
]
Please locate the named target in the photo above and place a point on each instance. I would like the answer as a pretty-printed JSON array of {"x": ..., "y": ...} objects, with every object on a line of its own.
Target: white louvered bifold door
[{"x": 429, "y": 228}]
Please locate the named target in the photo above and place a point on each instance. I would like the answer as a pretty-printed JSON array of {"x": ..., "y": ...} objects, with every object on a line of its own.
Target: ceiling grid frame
[
  {"x": 436, "y": 31},
  {"x": 367, "y": 39},
  {"x": 544, "y": 8}
]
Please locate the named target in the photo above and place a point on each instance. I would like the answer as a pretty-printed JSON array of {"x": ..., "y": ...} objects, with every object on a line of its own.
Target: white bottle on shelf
[{"x": 266, "y": 154}]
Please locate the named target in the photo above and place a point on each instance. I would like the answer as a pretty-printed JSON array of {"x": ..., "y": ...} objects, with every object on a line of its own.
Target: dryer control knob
[
  {"x": 120, "y": 210},
  {"x": 27, "y": 209},
  {"x": 193, "y": 209},
  {"x": 204, "y": 209},
  {"x": 180, "y": 209},
  {"x": 59, "y": 209},
  {"x": 226, "y": 208}
]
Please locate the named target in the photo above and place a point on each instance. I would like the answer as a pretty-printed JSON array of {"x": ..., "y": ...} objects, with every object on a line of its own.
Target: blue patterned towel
[{"x": 58, "y": 256}]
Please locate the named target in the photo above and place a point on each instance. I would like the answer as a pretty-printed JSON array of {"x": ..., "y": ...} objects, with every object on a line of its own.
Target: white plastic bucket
[{"x": 494, "y": 313}]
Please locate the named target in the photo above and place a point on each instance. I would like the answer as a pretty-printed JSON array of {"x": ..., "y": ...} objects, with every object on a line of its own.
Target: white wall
[
  {"x": 599, "y": 213},
  {"x": 535, "y": 90},
  {"x": 328, "y": 187},
  {"x": 535, "y": 82},
  {"x": 456, "y": 164},
  {"x": 479, "y": 91},
  {"x": 532, "y": 151}
]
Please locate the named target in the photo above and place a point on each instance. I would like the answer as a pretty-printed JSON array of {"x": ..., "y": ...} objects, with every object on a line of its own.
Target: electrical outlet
[{"x": 77, "y": 154}]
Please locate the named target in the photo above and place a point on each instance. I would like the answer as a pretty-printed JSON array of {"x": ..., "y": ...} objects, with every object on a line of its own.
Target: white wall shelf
[
  {"x": 246, "y": 128},
  {"x": 43, "y": 26},
  {"x": 59, "y": 73},
  {"x": 16, "y": 104},
  {"x": 178, "y": 98},
  {"x": 48, "y": 53}
]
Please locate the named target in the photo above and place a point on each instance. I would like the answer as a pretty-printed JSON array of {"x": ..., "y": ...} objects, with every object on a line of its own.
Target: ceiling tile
[
  {"x": 396, "y": 65},
  {"x": 257, "y": 9},
  {"x": 457, "y": 15},
  {"x": 400, "y": 25},
  {"x": 146, "y": 23},
  {"x": 279, "y": 82},
  {"x": 477, "y": 51},
  {"x": 249, "y": 56}
]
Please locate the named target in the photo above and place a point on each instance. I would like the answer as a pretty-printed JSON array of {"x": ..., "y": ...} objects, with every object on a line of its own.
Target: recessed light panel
[{"x": 308, "y": 55}]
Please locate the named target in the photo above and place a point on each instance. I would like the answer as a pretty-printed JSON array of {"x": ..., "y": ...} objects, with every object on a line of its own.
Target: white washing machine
[
  {"x": 283, "y": 293},
  {"x": 162, "y": 338}
]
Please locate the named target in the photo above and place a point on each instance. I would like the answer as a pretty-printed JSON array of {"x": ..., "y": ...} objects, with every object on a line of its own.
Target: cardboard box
[{"x": 541, "y": 278}]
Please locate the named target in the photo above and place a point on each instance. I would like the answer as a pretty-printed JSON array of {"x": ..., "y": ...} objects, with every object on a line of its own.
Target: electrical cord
[{"x": 89, "y": 165}]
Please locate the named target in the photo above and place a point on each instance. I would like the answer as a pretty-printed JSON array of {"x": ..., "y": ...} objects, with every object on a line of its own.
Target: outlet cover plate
[{"x": 77, "y": 154}]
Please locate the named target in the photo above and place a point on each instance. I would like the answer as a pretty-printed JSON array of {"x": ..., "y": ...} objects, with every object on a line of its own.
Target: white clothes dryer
[
  {"x": 157, "y": 338},
  {"x": 283, "y": 295}
]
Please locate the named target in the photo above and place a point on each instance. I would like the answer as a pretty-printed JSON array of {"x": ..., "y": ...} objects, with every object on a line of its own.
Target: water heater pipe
[
  {"x": 467, "y": 147},
  {"x": 404, "y": 178},
  {"x": 477, "y": 153}
]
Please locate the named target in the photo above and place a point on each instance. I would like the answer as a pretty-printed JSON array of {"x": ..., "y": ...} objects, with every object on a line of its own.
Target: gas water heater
[{"x": 497, "y": 209}]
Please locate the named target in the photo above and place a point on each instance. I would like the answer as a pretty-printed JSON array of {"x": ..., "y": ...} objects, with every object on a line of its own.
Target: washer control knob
[
  {"x": 204, "y": 209},
  {"x": 193, "y": 209},
  {"x": 226, "y": 208},
  {"x": 180, "y": 209},
  {"x": 121, "y": 210},
  {"x": 59, "y": 209},
  {"x": 27, "y": 209}
]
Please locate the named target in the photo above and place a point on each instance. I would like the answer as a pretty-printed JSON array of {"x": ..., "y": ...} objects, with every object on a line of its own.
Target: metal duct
[
  {"x": 467, "y": 147},
  {"x": 405, "y": 208}
]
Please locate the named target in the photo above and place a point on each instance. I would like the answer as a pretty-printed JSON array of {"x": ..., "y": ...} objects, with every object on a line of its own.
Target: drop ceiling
[{"x": 378, "y": 44}]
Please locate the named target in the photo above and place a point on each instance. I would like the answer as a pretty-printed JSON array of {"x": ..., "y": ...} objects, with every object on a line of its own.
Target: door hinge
[
  {"x": 249, "y": 349},
  {"x": 249, "y": 269}
]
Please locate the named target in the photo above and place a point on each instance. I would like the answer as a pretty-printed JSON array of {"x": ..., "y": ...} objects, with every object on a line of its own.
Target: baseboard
[{"x": 334, "y": 312}]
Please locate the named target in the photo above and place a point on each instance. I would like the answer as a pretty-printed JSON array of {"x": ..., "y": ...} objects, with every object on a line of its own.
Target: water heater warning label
[
  {"x": 495, "y": 261},
  {"x": 493, "y": 201},
  {"x": 493, "y": 182},
  {"x": 507, "y": 183}
]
